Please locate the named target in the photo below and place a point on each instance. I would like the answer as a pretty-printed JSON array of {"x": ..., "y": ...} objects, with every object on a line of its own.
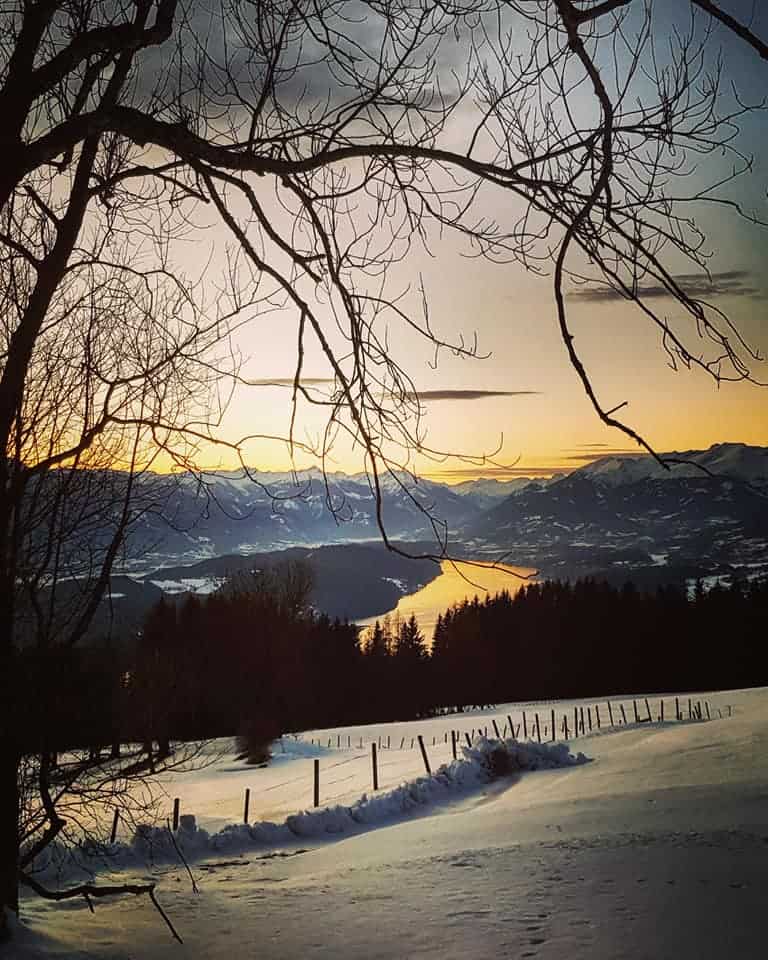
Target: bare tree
[{"x": 331, "y": 139}]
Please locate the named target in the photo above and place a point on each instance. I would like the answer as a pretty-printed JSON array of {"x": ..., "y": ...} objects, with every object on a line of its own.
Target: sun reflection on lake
[{"x": 456, "y": 581}]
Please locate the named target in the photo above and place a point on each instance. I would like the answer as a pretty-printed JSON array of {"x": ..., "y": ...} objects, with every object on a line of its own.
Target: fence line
[{"x": 698, "y": 711}]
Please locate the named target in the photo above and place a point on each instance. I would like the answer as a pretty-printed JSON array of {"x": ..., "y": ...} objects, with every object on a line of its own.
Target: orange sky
[{"x": 548, "y": 424}]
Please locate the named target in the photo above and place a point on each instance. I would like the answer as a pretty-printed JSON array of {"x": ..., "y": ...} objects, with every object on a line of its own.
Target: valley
[{"x": 618, "y": 519}]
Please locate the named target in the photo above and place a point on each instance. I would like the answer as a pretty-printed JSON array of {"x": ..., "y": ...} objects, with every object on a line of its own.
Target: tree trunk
[
  {"x": 9, "y": 814},
  {"x": 9, "y": 836}
]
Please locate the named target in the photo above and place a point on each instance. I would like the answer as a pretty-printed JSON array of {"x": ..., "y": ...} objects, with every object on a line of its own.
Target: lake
[{"x": 455, "y": 582}]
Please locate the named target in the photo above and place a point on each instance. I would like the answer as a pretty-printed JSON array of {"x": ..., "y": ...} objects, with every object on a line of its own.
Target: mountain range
[
  {"x": 700, "y": 495},
  {"x": 229, "y": 513},
  {"x": 705, "y": 515}
]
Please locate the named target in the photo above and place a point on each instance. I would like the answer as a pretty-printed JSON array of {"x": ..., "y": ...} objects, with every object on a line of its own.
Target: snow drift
[{"x": 151, "y": 844}]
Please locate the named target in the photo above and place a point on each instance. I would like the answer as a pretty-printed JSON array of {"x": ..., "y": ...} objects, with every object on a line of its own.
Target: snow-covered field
[{"x": 658, "y": 848}]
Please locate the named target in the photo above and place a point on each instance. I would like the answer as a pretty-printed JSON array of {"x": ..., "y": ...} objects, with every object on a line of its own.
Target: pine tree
[{"x": 377, "y": 642}]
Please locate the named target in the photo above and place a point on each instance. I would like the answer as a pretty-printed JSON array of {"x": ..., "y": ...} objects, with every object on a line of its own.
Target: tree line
[
  {"x": 554, "y": 640},
  {"x": 252, "y": 660}
]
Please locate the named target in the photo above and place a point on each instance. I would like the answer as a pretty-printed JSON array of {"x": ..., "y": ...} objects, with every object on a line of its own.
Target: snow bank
[{"x": 484, "y": 761}]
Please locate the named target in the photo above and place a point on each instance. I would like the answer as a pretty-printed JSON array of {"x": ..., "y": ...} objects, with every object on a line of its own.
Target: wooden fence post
[
  {"x": 623, "y": 714},
  {"x": 115, "y": 821},
  {"x": 424, "y": 756},
  {"x": 597, "y": 716},
  {"x": 469, "y": 740},
  {"x": 677, "y": 708},
  {"x": 581, "y": 720},
  {"x": 248, "y": 803},
  {"x": 610, "y": 712},
  {"x": 554, "y": 731},
  {"x": 565, "y": 726},
  {"x": 453, "y": 743},
  {"x": 316, "y": 784},
  {"x": 589, "y": 718},
  {"x": 575, "y": 721},
  {"x": 648, "y": 708},
  {"x": 375, "y": 767},
  {"x": 538, "y": 728},
  {"x": 176, "y": 803},
  {"x": 496, "y": 729},
  {"x": 511, "y": 727},
  {"x": 706, "y": 704},
  {"x": 637, "y": 715},
  {"x": 661, "y": 711},
  {"x": 525, "y": 726},
  {"x": 690, "y": 709}
]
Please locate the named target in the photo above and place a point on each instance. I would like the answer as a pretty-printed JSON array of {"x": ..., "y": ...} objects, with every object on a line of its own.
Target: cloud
[
  {"x": 428, "y": 396},
  {"x": 593, "y": 446},
  {"x": 584, "y": 458},
  {"x": 423, "y": 396},
  {"x": 499, "y": 472},
  {"x": 728, "y": 282},
  {"x": 288, "y": 382}
]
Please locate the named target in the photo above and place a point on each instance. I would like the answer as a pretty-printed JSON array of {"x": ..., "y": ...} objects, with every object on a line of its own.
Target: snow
[
  {"x": 658, "y": 848},
  {"x": 707, "y": 583},
  {"x": 199, "y": 585},
  {"x": 737, "y": 461},
  {"x": 149, "y": 843}
]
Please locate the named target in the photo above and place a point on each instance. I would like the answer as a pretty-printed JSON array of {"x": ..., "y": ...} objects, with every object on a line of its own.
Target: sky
[{"x": 521, "y": 410}]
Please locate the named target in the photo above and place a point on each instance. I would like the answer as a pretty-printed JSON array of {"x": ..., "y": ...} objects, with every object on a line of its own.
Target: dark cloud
[
  {"x": 423, "y": 396},
  {"x": 699, "y": 285},
  {"x": 427, "y": 396}
]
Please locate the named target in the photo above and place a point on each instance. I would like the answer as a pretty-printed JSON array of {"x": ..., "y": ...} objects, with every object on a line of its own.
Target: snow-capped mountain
[
  {"x": 731, "y": 461},
  {"x": 486, "y": 493},
  {"x": 228, "y": 512},
  {"x": 623, "y": 513}
]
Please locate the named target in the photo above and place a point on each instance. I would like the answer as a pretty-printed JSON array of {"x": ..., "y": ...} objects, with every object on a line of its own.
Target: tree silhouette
[{"x": 328, "y": 153}]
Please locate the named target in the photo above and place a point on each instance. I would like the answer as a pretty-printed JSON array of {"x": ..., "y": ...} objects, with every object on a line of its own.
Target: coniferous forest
[{"x": 252, "y": 660}]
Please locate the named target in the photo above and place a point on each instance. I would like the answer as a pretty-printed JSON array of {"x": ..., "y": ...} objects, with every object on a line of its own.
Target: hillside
[
  {"x": 655, "y": 848},
  {"x": 350, "y": 581}
]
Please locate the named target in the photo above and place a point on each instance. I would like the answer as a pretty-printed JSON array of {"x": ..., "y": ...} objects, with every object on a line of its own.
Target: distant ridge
[
  {"x": 622, "y": 516},
  {"x": 731, "y": 461}
]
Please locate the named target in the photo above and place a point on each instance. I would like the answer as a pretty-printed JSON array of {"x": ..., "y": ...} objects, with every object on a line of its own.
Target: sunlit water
[{"x": 456, "y": 582}]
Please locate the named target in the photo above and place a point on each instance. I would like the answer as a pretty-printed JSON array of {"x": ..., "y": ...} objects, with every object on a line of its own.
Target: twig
[
  {"x": 88, "y": 890},
  {"x": 181, "y": 856}
]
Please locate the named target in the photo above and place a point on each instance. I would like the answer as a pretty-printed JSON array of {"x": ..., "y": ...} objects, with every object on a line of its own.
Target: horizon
[{"x": 504, "y": 474}]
